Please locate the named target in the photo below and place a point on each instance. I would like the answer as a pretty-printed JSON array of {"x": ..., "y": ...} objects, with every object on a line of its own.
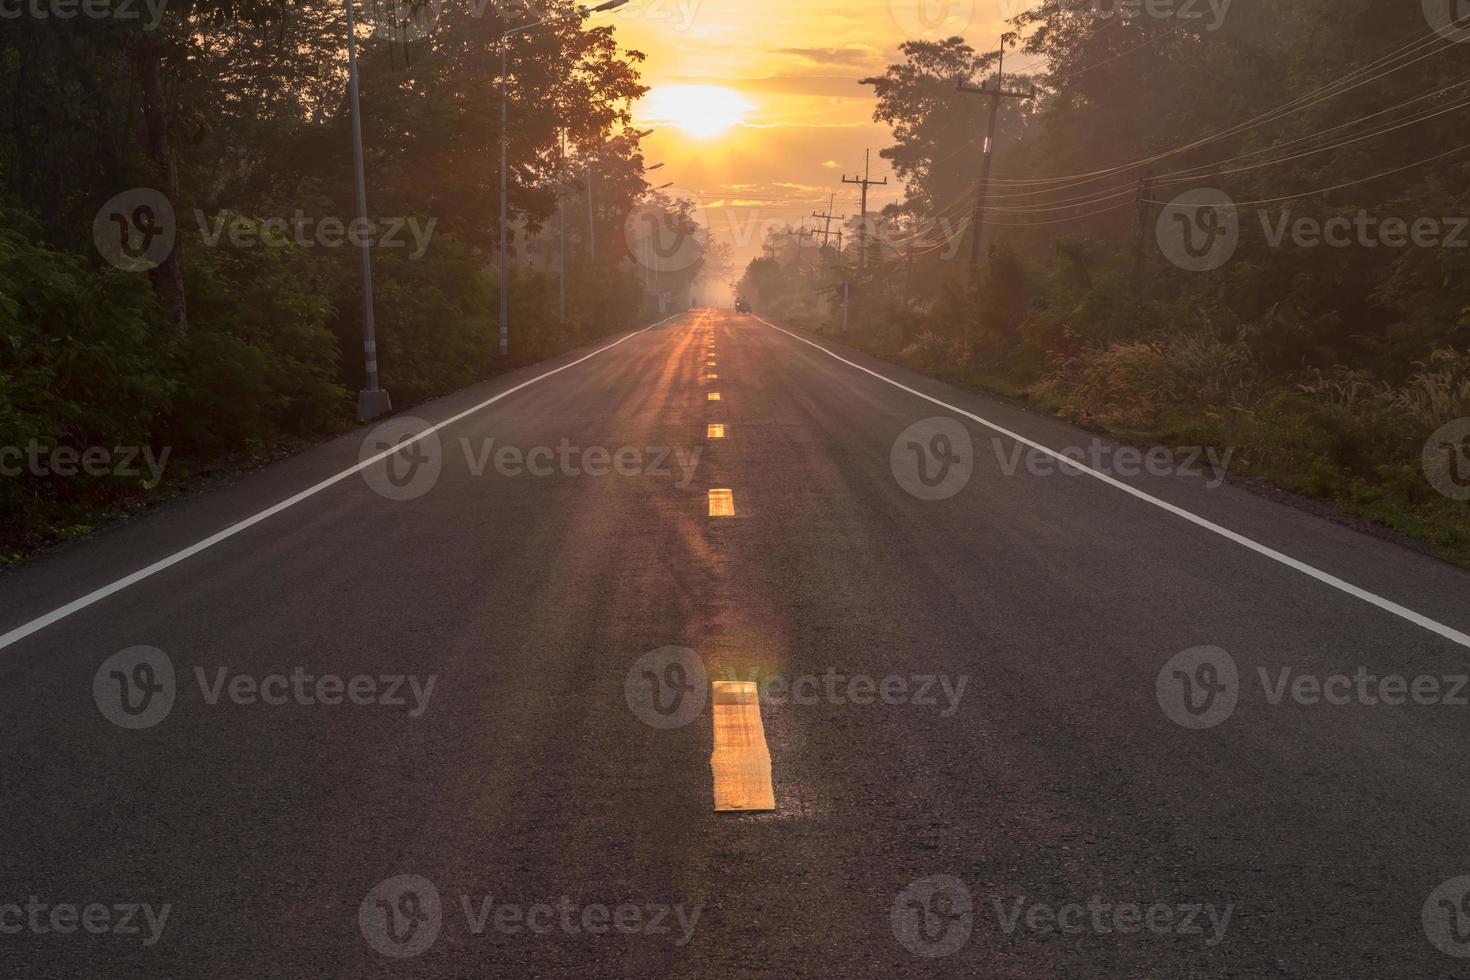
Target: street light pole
[
  {"x": 591, "y": 220},
  {"x": 504, "y": 201},
  {"x": 505, "y": 155},
  {"x": 372, "y": 401}
]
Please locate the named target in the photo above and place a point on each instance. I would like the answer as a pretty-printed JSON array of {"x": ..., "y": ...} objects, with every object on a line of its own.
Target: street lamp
[
  {"x": 591, "y": 221},
  {"x": 648, "y": 270},
  {"x": 505, "y": 152},
  {"x": 372, "y": 401}
]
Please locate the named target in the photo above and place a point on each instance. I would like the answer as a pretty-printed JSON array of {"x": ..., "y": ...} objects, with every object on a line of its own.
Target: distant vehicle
[{"x": 741, "y": 306}]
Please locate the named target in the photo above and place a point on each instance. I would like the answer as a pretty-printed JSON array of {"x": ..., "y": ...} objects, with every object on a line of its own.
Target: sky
[{"x": 756, "y": 107}]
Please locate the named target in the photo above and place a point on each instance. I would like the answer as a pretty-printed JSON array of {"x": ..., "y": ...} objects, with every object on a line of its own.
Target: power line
[
  {"x": 1290, "y": 107},
  {"x": 1200, "y": 173},
  {"x": 1334, "y": 187}
]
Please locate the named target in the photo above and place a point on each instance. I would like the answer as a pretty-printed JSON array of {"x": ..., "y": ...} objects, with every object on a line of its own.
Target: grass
[{"x": 1337, "y": 439}]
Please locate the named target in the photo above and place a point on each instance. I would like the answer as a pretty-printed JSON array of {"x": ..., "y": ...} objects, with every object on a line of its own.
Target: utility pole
[
  {"x": 996, "y": 95},
  {"x": 561, "y": 217},
  {"x": 1145, "y": 214},
  {"x": 372, "y": 401},
  {"x": 591, "y": 224},
  {"x": 826, "y": 231},
  {"x": 503, "y": 293},
  {"x": 865, "y": 183},
  {"x": 908, "y": 274}
]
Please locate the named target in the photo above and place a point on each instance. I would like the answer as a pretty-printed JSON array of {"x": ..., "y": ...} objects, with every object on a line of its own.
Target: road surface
[{"x": 454, "y": 723}]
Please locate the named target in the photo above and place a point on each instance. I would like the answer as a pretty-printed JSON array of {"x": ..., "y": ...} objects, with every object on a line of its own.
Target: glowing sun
[{"x": 700, "y": 110}]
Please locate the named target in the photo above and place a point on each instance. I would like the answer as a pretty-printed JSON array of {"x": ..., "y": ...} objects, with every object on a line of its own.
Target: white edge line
[
  {"x": 55, "y": 615},
  {"x": 1418, "y": 619}
]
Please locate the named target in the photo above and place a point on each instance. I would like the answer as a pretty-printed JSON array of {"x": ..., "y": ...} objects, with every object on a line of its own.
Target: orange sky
[{"x": 796, "y": 64}]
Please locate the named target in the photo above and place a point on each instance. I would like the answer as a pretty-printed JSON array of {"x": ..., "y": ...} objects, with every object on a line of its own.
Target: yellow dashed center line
[
  {"x": 741, "y": 762},
  {"x": 716, "y": 430},
  {"x": 722, "y": 503},
  {"x": 714, "y": 396}
]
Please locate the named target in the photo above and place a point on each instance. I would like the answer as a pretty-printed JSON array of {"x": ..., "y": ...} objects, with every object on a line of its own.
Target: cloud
[
  {"x": 825, "y": 86},
  {"x": 830, "y": 164},
  {"x": 854, "y": 56}
]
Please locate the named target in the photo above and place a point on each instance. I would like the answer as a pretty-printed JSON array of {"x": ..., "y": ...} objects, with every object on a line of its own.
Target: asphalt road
[{"x": 1014, "y": 798}]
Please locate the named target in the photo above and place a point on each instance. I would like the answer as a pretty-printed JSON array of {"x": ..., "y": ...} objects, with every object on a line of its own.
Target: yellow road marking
[
  {"x": 722, "y": 503},
  {"x": 711, "y": 376},
  {"x": 716, "y": 430},
  {"x": 741, "y": 762},
  {"x": 714, "y": 396}
]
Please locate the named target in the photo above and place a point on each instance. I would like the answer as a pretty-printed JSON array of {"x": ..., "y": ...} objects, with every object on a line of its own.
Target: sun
[{"x": 700, "y": 110}]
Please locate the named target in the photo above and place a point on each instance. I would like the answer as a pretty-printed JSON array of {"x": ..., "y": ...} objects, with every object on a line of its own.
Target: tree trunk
[{"x": 168, "y": 278}]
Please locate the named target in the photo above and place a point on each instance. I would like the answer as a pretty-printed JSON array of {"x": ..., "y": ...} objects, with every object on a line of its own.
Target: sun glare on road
[{"x": 703, "y": 111}]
